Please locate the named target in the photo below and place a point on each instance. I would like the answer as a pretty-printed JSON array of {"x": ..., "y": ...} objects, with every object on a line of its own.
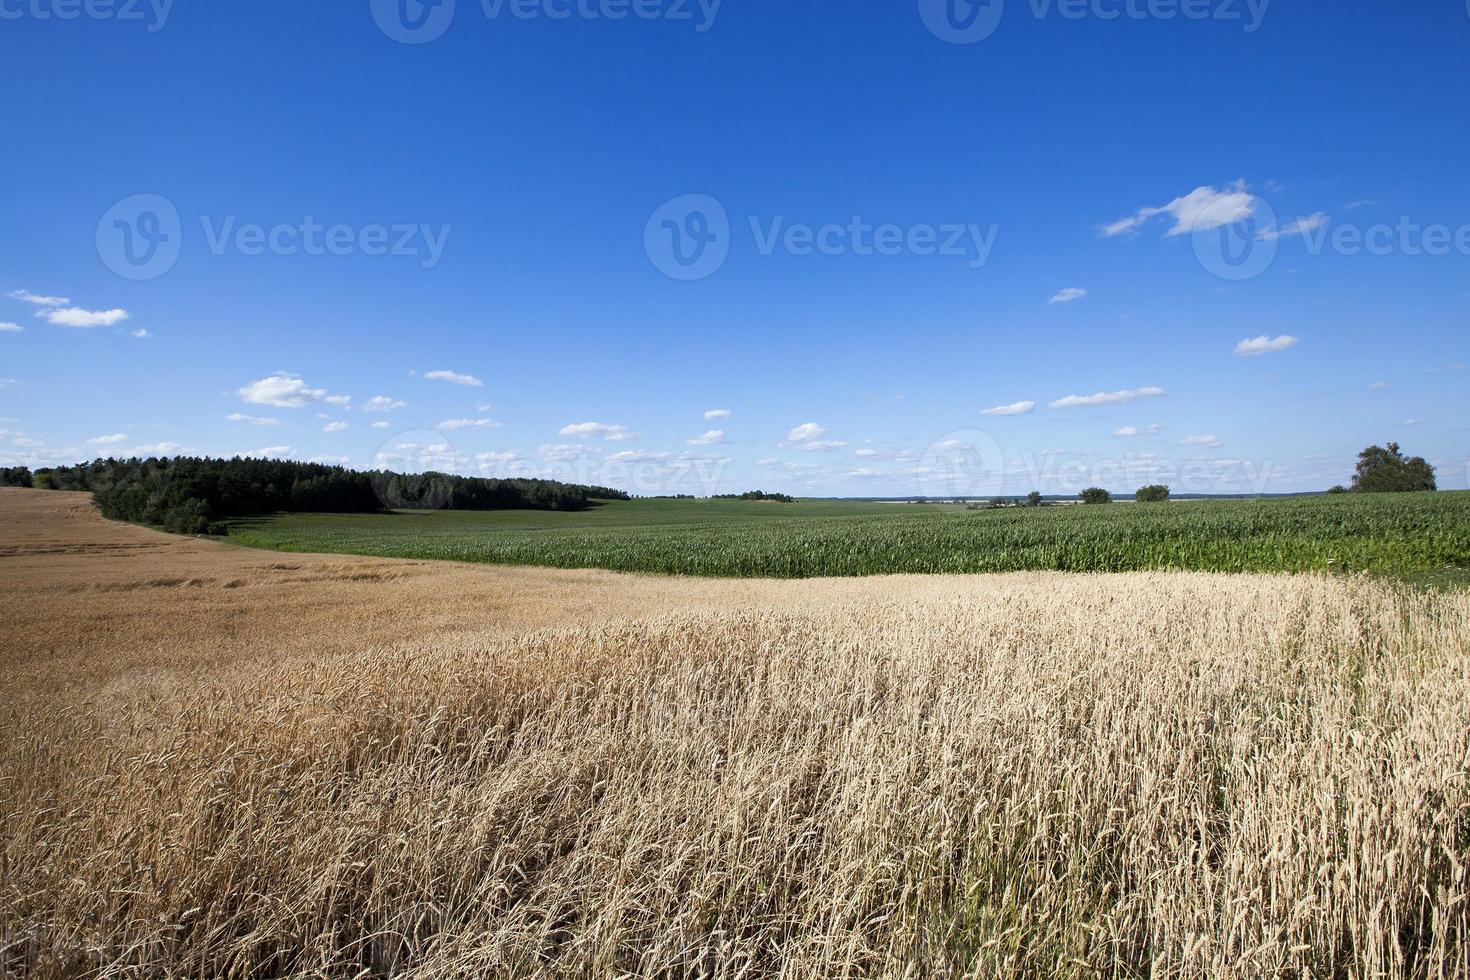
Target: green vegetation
[
  {"x": 1388, "y": 470},
  {"x": 779, "y": 498},
  {"x": 1095, "y": 495},
  {"x": 1155, "y": 494},
  {"x": 1389, "y": 533},
  {"x": 190, "y": 496},
  {"x": 15, "y": 476}
]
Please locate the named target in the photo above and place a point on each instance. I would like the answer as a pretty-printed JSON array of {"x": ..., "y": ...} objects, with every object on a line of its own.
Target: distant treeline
[
  {"x": 15, "y": 476},
  {"x": 188, "y": 495},
  {"x": 779, "y": 498}
]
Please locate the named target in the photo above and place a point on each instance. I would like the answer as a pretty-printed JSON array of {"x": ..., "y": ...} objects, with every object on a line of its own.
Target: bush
[
  {"x": 1338, "y": 489},
  {"x": 1033, "y": 499},
  {"x": 1095, "y": 495},
  {"x": 1157, "y": 493}
]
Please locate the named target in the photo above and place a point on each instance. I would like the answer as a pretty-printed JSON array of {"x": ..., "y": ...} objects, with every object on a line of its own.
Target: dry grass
[{"x": 1028, "y": 775}]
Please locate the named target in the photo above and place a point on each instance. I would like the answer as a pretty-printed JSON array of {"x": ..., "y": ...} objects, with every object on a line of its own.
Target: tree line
[{"x": 190, "y": 495}]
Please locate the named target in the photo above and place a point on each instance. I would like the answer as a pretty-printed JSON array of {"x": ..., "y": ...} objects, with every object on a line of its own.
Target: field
[
  {"x": 216, "y": 761},
  {"x": 1405, "y": 534}
]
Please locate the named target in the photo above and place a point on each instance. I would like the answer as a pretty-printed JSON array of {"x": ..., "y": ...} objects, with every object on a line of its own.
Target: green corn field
[{"x": 1389, "y": 533}]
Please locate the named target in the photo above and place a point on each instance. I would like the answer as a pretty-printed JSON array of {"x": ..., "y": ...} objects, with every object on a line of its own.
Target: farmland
[
  {"x": 1403, "y": 534},
  {"x": 217, "y": 761}
]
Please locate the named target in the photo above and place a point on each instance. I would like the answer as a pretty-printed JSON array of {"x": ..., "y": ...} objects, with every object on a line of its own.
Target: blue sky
[{"x": 1224, "y": 250}]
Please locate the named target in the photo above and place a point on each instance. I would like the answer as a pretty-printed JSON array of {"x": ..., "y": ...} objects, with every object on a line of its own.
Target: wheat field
[{"x": 1027, "y": 775}]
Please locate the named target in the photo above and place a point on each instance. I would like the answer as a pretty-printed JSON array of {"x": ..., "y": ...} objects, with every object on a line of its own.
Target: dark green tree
[
  {"x": 1095, "y": 495},
  {"x": 1388, "y": 470},
  {"x": 1033, "y": 499},
  {"x": 1153, "y": 494}
]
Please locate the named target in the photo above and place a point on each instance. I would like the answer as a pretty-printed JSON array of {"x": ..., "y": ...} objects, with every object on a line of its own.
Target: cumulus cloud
[
  {"x": 335, "y": 427},
  {"x": 252, "y": 419},
  {"x": 286, "y": 391},
  {"x": 380, "y": 425},
  {"x": 717, "y": 413},
  {"x": 75, "y": 316},
  {"x": 141, "y": 333},
  {"x": 1120, "y": 397},
  {"x": 451, "y": 425},
  {"x": 1202, "y": 209},
  {"x": 808, "y": 438},
  {"x": 111, "y": 440},
  {"x": 598, "y": 430},
  {"x": 1212, "y": 441},
  {"x": 455, "y": 378},
  {"x": 11, "y": 328},
  {"x": 1067, "y": 295},
  {"x": 26, "y": 296},
  {"x": 711, "y": 438},
  {"x": 1014, "y": 408},
  {"x": 382, "y": 403},
  {"x": 1128, "y": 431},
  {"x": 268, "y": 451},
  {"x": 638, "y": 456},
  {"x": 1256, "y": 346}
]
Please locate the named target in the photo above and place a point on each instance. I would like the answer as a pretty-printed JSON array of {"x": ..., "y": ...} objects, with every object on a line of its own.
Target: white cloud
[
  {"x": 455, "y": 378},
  {"x": 1128, "y": 431},
  {"x": 382, "y": 403},
  {"x": 335, "y": 427},
  {"x": 1255, "y": 346},
  {"x": 1067, "y": 295},
  {"x": 341, "y": 401},
  {"x": 1201, "y": 209},
  {"x": 452, "y": 425},
  {"x": 562, "y": 452},
  {"x": 26, "y": 296},
  {"x": 598, "y": 430},
  {"x": 1378, "y": 386},
  {"x": 1014, "y": 408},
  {"x": 286, "y": 391},
  {"x": 11, "y": 328},
  {"x": 808, "y": 438},
  {"x": 638, "y": 456},
  {"x": 141, "y": 333},
  {"x": 1298, "y": 227},
  {"x": 1212, "y": 441},
  {"x": 268, "y": 451},
  {"x": 711, "y": 438},
  {"x": 1411, "y": 422},
  {"x": 157, "y": 449},
  {"x": 717, "y": 413},
  {"x": 331, "y": 460},
  {"x": 75, "y": 316},
  {"x": 1121, "y": 397},
  {"x": 252, "y": 419},
  {"x": 380, "y": 425},
  {"x": 111, "y": 440}
]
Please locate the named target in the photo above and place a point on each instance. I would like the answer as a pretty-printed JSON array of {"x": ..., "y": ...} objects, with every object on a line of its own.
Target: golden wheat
[{"x": 1161, "y": 775}]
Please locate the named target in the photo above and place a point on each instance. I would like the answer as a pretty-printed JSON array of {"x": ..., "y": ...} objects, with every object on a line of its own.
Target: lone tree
[
  {"x": 1390, "y": 471},
  {"x": 1156, "y": 493},
  {"x": 1096, "y": 495},
  {"x": 1033, "y": 499}
]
